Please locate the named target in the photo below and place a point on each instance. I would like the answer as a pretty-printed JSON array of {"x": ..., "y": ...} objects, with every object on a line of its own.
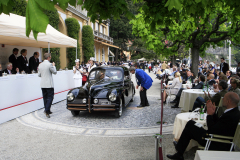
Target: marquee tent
[{"x": 13, "y": 32}]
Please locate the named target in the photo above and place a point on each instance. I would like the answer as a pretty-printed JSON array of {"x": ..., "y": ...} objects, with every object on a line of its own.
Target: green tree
[
  {"x": 73, "y": 28},
  {"x": 212, "y": 27},
  {"x": 87, "y": 42}
]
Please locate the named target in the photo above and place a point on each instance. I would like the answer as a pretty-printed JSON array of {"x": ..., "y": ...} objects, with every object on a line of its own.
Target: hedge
[
  {"x": 87, "y": 42},
  {"x": 73, "y": 28}
]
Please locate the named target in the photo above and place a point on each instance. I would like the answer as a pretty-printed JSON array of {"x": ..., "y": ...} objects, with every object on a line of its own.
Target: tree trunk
[
  {"x": 116, "y": 56},
  {"x": 173, "y": 60},
  {"x": 195, "y": 60}
]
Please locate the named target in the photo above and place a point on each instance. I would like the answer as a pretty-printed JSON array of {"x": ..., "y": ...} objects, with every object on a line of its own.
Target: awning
[
  {"x": 110, "y": 45},
  {"x": 13, "y": 32},
  {"x": 112, "y": 55}
]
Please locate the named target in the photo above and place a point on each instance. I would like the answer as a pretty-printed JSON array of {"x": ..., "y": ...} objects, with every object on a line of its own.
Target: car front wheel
[
  {"x": 75, "y": 113},
  {"x": 119, "y": 112}
]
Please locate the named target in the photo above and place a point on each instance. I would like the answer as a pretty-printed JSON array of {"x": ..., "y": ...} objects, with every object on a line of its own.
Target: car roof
[{"x": 111, "y": 67}]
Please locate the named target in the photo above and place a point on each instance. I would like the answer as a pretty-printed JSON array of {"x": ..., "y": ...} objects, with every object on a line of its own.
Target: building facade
[{"x": 102, "y": 40}]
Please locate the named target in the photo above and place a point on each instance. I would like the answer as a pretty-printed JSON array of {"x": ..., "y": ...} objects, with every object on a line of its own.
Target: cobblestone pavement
[{"x": 37, "y": 137}]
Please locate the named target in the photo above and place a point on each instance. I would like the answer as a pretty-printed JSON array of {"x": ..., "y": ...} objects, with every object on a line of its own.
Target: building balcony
[{"x": 102, "y": 36}]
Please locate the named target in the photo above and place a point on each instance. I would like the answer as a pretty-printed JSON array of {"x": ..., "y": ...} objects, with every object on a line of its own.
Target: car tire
[
  {"x": 75, "y": 113},
  {"x": 119, "y": 112}
]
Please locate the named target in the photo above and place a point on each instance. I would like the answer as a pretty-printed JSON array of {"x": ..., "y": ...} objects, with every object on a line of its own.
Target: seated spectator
[
  {"x": 225, "y": 125},
  {"x": 229, "y": 74},
  {"x": 158, "y": 74},
  {"x": 188, "y": 78},
  {"x": 222, "y": 85},
  {"x": 0, "y": 70},
  {"x": 174, "y": 70},
  {"x": 176, "y": 84},
  {"x": 199, "y": 86},
  {"x": 211, "y": 80},
  {"x": 9, "y": 69},
  {"x": 234, "y": 87}
]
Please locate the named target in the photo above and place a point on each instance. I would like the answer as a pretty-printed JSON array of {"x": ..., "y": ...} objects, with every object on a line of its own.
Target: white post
[
  {"x": 40, "y": 54},
  {"x": 76, "y": 52},
  {"x": 48, "y": 47},
  {"x": 229, "y": 54}
]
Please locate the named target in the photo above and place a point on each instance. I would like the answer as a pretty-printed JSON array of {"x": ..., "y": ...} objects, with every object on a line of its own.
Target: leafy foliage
[
  {"x": 87, "y": 42},
  {"x": 196, "y": 30},
  {"x": 53, "y": 21},
  {"x": 73, "y": 28},
  {"x": 19, "y": 7}
]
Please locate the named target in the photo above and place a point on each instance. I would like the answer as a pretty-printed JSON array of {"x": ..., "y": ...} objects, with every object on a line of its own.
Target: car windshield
[{"x": 106, "y": 74}]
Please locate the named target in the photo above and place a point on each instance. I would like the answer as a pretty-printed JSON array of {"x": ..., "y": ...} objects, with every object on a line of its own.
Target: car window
[{"x": 111, "y": 74}]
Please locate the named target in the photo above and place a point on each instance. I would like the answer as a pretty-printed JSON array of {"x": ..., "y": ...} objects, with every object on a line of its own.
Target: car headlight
[
  {"x": 84, "y": 100},
  {"x": 112, "y": 97},
  {"x": 70, "y": 97},
  {"x": 95, "y": 101}
]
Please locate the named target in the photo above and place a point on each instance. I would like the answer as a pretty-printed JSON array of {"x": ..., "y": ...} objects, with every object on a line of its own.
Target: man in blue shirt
[{"x": 143, "y": 80}]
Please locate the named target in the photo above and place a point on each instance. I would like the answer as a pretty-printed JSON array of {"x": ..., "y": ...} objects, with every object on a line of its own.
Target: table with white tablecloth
[
  {"x": 186, "y": 86},
  {"x": 216, "y": 155},
  {"x": 189, "y": 96},
  {"x": 180, "y": 123}
]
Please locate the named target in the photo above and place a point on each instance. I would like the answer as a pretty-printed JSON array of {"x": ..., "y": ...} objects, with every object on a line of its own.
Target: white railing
[{"x": 103, "y": 36}]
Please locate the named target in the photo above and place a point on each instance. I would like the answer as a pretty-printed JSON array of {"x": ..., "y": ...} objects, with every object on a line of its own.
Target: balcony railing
[{"x": 103, "y": 36}]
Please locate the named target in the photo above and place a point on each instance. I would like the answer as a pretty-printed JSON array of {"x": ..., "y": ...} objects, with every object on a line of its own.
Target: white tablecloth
[
  {"x": 189, "y": 96},
  {"x": 180, "y": 123},
  {"x": 216, "y": 155},
  {"x": 186, "y": 85}
]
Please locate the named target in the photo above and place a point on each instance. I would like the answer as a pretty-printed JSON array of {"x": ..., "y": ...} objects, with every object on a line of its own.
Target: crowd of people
[{"x": 20, "y": 64}]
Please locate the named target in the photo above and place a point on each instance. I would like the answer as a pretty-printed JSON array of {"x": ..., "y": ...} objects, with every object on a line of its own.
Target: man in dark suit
[
  {"x": 143, "y": 80},
  {"x": 34, "y": 62},
  {"x": 225, "y": 125},
  {"x": 13, "y": 59},
  {"x": 224, "y": 67},
  {"x": 23, "y": 62},
  {"x": 222, "y": 85},
  {"x": 9, "y": 69},
  {"x": 199, "y": 86}
]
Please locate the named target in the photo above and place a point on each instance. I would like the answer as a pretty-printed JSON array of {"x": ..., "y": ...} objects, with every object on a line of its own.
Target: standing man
[
  {"x": 23, "y": 62},
  {"x": 13, "y": 58},
  {"x": 45, "y": 71},
  {"x": 143, "y": 80},
  {"x": 34, "y": 62},
  {"x": 164, "y": 66},
  {"x": 224, "y": 67}
]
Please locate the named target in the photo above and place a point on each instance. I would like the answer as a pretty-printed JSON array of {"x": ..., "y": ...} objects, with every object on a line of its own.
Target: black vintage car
[{"x": 107, "y": 88}]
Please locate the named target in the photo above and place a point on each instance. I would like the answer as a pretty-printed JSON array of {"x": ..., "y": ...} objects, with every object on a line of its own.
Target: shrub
[
  {"x": 73, "y": 28},
  {"x": 88, "y": 42}
]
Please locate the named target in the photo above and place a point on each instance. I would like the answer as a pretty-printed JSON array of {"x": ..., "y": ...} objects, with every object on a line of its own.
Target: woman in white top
[
  {"x": 77, "y": 71},
  {"x": 176, "y": 85}
]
